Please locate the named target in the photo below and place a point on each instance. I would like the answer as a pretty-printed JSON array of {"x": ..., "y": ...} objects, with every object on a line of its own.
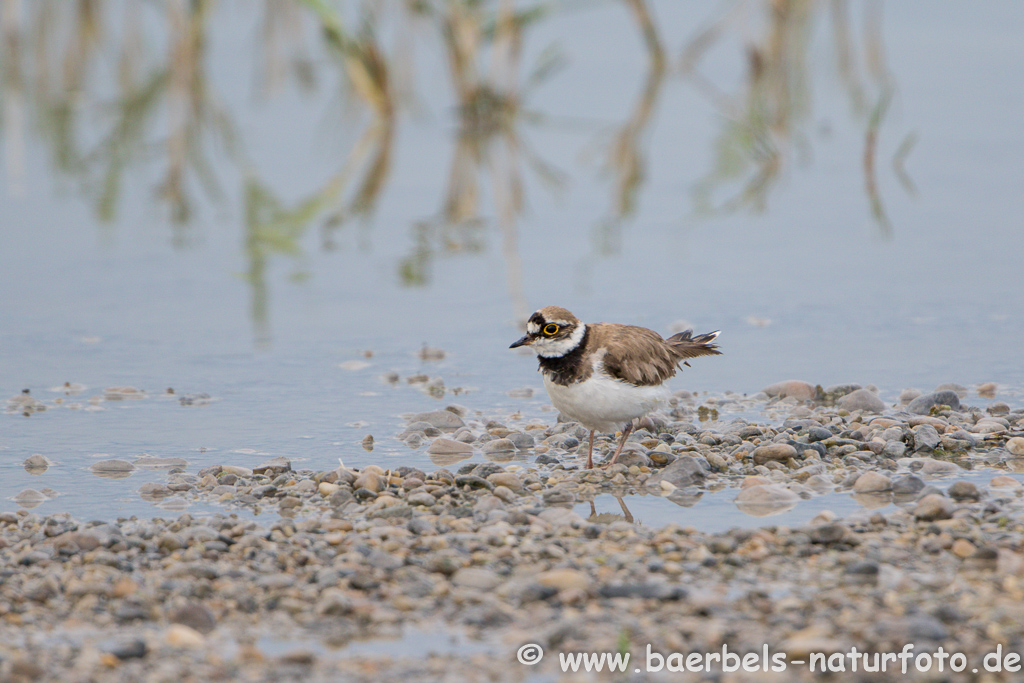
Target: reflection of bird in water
[
  {"x": 609, "y": 517},
  {"x": 606, "y": 375}
]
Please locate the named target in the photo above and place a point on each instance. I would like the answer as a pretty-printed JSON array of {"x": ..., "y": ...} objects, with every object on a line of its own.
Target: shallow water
[
  {"x": 254, "y": 294},
  {"x": 717, "y": 511}
]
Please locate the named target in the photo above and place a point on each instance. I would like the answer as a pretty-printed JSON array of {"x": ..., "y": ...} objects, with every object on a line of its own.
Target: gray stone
[
  {"x": 908, "y": 395},
  {"x": 815, "y": 434},
  {"x": 894, "y": 449},
  {"x": 444, "y": 446},
  {"x": 499, "y": 446},
  {"x": 684, "y": 471},
  {"x": 522, "y": 440},
  {"x": 922, "y": 405},
  {"x": 796, "y": 388},
  {"x": 907, "y": 484},
  {"x": 926, "y": 438},
  {"x": 445, "y": 420},
  {"x": 862, "y": 399},
  {"x": 872, "y": 482},
  {"x": 933, "y": 506},
  {"x": 964, "y": 490},
  {"x": 195, "y": 615}
]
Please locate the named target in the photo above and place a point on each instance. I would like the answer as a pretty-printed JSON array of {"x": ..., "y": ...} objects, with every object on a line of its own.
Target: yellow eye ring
[{"x": 551, "y": 329}]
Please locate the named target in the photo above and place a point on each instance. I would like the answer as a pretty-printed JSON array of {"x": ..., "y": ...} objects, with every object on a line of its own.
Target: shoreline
[{"x": 497, "y": 556}]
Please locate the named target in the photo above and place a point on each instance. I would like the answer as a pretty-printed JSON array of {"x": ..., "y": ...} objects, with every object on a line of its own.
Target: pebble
[
  {"x": 926, "y": 438},
  {"x": 179, "y": 635},
  {"x": 963, "y": 548},
  {"x": 862, "y": 399},
  {"x": 1004, "y": 481},
  {"x": 499, "y": 446},
  {"x": 444, "y": 446},
  {"x": 475, "y": 577},
  {"x": 564, "y": 579},
  {"x": 445, "y": 420},
  {"x": 964, "y": 490},
  {"x": 932, "y": 507},
  {"x": 872, "y": 482},
  {"x": 680, "y": 473},
  {"x": 775, "y": 451},
  {"x": 795, "y": 388},
  {"x": 37, "y": 463},
  {"x": 112, "y": 466},
  {"x": 922, "y": 405},
  {"x": 1015, "y": 446}
]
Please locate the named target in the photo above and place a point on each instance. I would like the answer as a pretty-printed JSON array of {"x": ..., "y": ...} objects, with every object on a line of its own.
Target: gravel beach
[{"x": 401, "y": 573}]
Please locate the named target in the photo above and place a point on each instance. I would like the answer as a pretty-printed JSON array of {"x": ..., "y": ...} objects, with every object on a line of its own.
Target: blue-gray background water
[{"x": 266, "y": 207}]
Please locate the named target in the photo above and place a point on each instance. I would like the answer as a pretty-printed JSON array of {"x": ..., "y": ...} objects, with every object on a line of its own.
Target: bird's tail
[{"x": 685, "y": 345}]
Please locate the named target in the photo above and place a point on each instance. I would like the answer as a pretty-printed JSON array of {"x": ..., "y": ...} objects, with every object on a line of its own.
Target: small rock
[
  {"x": 963, "y": 548},
  {"x": 421, "y": 498},
  {"x": 932, "y": 507},
  {"x": 272, "y": 467},
  {"x": 907, "y": 484},
  {"x": 894, "y": 449},
  {"x": 964, "y": 490},
  {"x": 444, "y": 446},
  {"x": 998, "y": 408},
  {"x": 837, "y": 391},
  {"x": 476, "y": 577},
  {"x": 445, "y": 420},
  {"x": 1015, "y": 445},
  {"x": 779, "y": 452},
  {"x": 180, "y": 635},
  {"x": 195, "y": 615},
  {"x": 1004, "y": 481},
  {"x": 564, "y": 579},
  {"x": 473, "y": 482},
  {"x": 684, "y": 471},
  {"x": 833, "y": 532},
  {"x": 506, "y": 479},
  {"x": 926, "y": 438},
  {"x": 798, "y": 389},
  {"x": 862, "y": 399},
  {"x": 815, "y": 434},
  {"x": 908, "y": 395},
  {"x": 112, "y": 466},
  {"x": 370, "y": 481},
  {"x": 872, "y": 482},
  {"x": 561, "y": 517},
  {"x": 37, "y": 463},
  {"x": 987, "y": 389},
  {"x": 326, "y": 488},
  {"x": 499, "y": 446},
  {"x": 29, "y": 498},
  {"x": 129, "y": 649},
  {"x": 922, "y": 405}
]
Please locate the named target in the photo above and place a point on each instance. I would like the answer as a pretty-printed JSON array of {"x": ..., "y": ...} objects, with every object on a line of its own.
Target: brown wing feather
[
  {"x": 687, "y": 346},
  {"x": 640, "y": 356},
  {"x": 636, "y": 354}
]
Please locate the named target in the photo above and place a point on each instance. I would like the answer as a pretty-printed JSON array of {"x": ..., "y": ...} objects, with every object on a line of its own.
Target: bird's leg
[
  {"x": 625, "y": 435},
  {"x": 590, "y": 452}
]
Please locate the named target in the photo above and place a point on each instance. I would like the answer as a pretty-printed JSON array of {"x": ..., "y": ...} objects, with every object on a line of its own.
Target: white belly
[{"x": 603, "y": 403}]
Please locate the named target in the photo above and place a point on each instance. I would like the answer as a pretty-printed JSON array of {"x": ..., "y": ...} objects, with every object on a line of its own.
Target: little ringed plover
[{"x": 604, "y": 375}]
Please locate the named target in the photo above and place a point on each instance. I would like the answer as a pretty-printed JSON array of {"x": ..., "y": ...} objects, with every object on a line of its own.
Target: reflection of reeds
[
  {"x": 767, "y": 125},
  {"x": 626, "y": 153},
  {"x": 488, "y": 141}
]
